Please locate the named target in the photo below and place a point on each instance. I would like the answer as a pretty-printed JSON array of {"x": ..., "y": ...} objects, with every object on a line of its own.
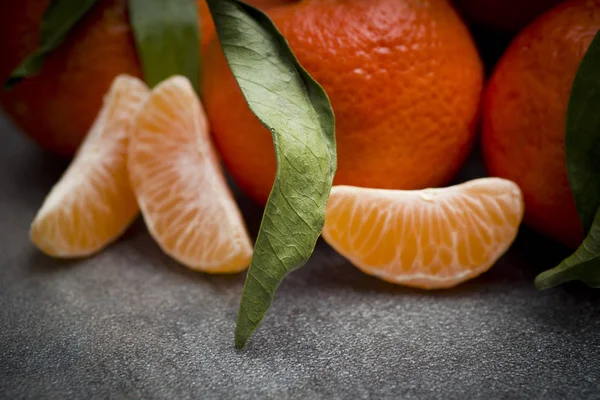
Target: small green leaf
[
  {"x": 583, "y": 265},
  {"x": 167, "y": 38},
  {"x": 60, "y": 17},
  {"x": 582, "y": 140},
  {"x": 297, "y": 112}
]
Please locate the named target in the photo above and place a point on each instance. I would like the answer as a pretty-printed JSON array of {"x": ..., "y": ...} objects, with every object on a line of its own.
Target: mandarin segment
[
  {"x": 93, "y": 202},
  {"x": 181, "y": 190},
  {"x": 432, "y": 238}
]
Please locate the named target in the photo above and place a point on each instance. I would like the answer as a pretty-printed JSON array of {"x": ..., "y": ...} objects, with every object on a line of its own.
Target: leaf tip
[
  {"x": 240, "y": 342},
  {"x": 241, "y": 338},
  {"x": 542, "y": 282}
]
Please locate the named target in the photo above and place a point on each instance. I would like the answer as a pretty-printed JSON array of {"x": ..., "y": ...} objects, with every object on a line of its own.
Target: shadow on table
[
  {"x": 40, "y": 169},
  {"x": 41, "y": 264},
  {"x": 530, "y": 254}
]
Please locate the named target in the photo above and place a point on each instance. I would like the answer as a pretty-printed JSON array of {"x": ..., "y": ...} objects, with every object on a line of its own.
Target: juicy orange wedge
[
  {"x": 93, "y": 202},
  {"x": 181, "y": 190},
  {"x": 430, "y": 239}
]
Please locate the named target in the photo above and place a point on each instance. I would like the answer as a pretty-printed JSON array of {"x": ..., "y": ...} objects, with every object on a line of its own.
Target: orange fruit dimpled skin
[
  {"x": 181, "y": 190},
  {"x": 404, "y": 79},
  {"x": 524, "y": 118},
  {"x": 431, "y": 238},
  {"x": 93, "y": 203}
]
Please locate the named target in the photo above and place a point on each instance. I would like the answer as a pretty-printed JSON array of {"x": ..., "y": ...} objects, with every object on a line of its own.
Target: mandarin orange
[
  {"x": 57, "y": 107},
  {"x": 404, "y": 79},
  {"x": 525, "y": 114}
]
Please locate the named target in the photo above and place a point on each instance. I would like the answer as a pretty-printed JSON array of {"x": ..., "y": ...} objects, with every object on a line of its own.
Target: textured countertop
[{"x": 131, "y": 323}]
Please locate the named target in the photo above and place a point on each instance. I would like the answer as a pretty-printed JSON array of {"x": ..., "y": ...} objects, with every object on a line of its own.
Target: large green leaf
[
  {"x": 297, "y": 112},
  {"x": 60, "y": 17},
  {"x": 167, "y": 38},
  {"x": 582, "y": 138},
  {"x": 583, "y": 265}
]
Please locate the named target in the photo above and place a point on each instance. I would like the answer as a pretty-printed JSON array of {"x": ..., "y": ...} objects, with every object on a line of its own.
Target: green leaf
[
  {"x": 297, "y": 112},
  {"x": 583, "y": 265},
  {"x": 582, "y": 140},
  {"x": 167, "y": 38},
  {"x": 60, "y": 17}
]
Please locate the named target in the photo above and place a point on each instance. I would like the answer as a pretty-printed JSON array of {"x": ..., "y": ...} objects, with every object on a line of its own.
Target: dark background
[{"x": 132, "y": 323}]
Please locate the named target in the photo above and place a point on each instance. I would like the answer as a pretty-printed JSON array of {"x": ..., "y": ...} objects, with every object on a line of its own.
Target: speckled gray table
[{"x": 131, "y": 323}]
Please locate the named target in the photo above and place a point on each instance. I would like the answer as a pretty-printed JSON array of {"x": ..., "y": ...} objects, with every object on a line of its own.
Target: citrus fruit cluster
[
  {"x": 406, "y": 83},
  {"x": 151, "y": 149}
]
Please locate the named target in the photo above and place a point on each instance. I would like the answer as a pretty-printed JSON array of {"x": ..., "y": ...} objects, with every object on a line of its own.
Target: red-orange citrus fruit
[
  {"x": 525, "y": 114},
  {"x": 57, "y": 107},
  {"x": 404, "y": 79}
]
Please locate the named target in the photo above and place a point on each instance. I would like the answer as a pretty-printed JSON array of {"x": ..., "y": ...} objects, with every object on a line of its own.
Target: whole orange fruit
[
  {"x": 525, "y": 114},
  {"x": 57, "y": 107},
  {"x": 404, "y": 79},
  {"x": 504, "y": 15}
]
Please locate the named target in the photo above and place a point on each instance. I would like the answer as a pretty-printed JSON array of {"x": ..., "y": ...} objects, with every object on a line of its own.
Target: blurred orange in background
[
  {"x": 524, "y": 116},
  {"x": 57, "y": 107}
]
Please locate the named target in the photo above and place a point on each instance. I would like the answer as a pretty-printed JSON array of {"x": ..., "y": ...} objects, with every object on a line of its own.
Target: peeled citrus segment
[
  {"x": 181, "y": 190},
  {"x": 93, "y": 202},
  {"x": 432, "y": 238}
]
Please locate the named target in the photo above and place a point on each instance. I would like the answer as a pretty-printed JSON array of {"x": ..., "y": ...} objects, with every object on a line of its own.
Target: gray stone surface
[{"x": 131, "y": 323}]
